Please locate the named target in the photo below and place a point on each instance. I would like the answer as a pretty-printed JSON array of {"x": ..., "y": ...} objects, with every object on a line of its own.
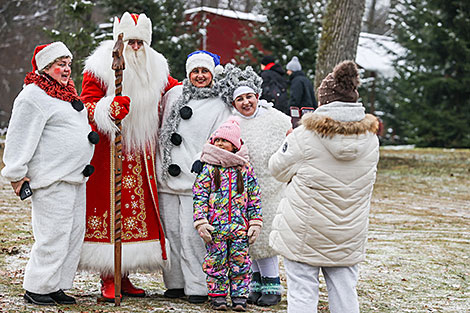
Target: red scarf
[{"x": 52, "y": 87}]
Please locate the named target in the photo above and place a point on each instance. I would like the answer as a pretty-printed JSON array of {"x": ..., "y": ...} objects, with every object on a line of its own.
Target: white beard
[{"x": 140, "y": 126}]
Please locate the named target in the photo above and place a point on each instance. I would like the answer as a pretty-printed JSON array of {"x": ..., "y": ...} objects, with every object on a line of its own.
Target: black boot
[
  {"x": 61, "y": 298},
  {"x": 38, "y": 299},
  {"x": 271, "y": 291},
  {"x": 255, "y": 288},
  {"x": 174, "y": 293},
  {"x": 196, "y": 299}
]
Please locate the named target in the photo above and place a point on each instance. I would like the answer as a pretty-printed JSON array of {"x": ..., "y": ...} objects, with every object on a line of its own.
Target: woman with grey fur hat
[
  {"x": 329, "y": 163},
  {"x": 187, "y": 123},
  {"x": 263, "y": 130}
]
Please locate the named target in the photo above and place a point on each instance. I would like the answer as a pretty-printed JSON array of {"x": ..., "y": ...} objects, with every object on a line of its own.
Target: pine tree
[
  {"x": 171, "y": 36},
  {"x": 74, "y": 29},
  {"x": 432, "y": 93},
  {"x": 292, "y": 29}
]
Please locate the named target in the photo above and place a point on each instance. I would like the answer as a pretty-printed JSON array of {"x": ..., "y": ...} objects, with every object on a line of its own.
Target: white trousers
[
  {"x": 58, "y": 220},
  {"x": 303, "y": 287},
  {"x": 187, "y": 248},
  {"x": 268, "y": 267}
]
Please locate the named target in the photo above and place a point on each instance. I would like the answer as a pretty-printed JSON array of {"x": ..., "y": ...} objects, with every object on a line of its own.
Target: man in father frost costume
[{"x": 145, "y": 79}]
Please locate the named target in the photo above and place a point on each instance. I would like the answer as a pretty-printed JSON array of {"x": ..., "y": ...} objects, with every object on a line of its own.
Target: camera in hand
[{"x": 25, "y": 191}]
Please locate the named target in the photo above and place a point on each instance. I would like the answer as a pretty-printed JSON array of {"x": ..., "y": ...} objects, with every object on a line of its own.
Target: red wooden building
[{"x": 224, "y": 32}]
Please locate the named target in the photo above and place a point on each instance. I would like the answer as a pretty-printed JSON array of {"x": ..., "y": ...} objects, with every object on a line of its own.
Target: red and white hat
[
  {"x": 133, "y": 26},
  {"x": 45, "y": 54}
]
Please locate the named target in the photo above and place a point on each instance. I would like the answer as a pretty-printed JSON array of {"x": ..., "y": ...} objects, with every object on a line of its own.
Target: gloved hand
[
  {"x": 253, "y": 233},
  {"x": 119, "y": 108},
  {"x": 204, "y": 230},
  {"x": 197, "y": 167}
]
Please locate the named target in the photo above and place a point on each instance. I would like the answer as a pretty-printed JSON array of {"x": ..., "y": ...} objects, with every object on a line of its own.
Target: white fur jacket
[
  {"x": 46, "y": 140},
  {"x": 329, "y": 163}
]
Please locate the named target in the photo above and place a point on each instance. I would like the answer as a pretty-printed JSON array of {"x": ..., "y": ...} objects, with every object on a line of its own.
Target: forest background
[{"x": 427, "y": 102}]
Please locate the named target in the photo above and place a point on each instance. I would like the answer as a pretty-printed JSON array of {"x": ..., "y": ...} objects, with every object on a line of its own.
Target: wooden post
[{"x": 118, "y": 67}]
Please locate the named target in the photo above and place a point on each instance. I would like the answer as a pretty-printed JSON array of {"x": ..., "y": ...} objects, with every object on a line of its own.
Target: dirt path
[{"x": 417, "y": 258}]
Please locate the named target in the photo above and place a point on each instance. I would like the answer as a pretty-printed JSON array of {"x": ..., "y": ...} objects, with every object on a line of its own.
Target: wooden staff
[{"x": 118, "y": 67}]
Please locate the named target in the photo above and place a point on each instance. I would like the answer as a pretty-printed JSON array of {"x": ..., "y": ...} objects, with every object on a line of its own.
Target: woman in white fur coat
[
  {"x": 263, "y": 128},
  {"x": 329, "y": 163},
  {"x": 50, "y": 144}
]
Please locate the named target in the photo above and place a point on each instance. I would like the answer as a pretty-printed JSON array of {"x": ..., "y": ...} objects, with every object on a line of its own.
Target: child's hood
[{"x": 216, "y": 156}]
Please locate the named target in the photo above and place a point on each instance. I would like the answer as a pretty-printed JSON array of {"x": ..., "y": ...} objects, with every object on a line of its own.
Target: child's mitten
[
  {"x": 204, "y": 230},
  {"x": 253, "y": 233},
  {"x": 119, "y": 108},
  {"x": 197, "y": 167}
]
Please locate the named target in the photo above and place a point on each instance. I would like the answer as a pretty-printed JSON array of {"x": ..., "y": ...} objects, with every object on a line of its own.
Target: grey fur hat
[{"x": 234, "y": 77}]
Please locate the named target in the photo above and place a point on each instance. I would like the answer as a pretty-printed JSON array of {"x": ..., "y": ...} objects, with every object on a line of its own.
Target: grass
[{"x": 417, "y": 258}]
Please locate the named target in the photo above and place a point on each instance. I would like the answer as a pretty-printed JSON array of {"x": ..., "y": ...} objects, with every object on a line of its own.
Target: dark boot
[
  {"x": 196, "y": 299},
  {"x": 128, "y": 289},
  {"x": 174, "y": 293},
  {"x": 219, "y": 303},
  {"x": 255, "y": 288},
  {"x": 239, "y": 304},
  {"x": 38, "y": 299},
  {"x": 271, "y": 291},
  {"x": 61, "y": 298}
]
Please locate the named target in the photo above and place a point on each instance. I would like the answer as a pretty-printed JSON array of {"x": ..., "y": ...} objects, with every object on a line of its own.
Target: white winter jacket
[
  {"x": 47, "y": 140},
  {"x": 329, "y": 162}
]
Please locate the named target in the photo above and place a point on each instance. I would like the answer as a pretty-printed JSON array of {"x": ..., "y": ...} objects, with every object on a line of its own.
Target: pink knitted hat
[{"x": 229, "y": 130}]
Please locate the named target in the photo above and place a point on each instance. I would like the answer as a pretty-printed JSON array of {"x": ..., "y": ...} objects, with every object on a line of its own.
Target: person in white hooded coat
[{"x": 330, "y": 164}]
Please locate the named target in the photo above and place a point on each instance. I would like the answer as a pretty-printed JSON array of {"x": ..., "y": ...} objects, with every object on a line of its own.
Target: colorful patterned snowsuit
[{"x": 227, "y": 262}]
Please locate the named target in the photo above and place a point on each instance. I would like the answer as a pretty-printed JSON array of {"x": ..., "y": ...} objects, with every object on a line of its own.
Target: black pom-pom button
[
  {"x": 93, "y": 137},
  {"x": 77, "y": 105},
  {"x": 176, "y": 139},
  {"x": 89, "y": 169},
  {"x": 174, "y": 170},
  {"x": 186, "y": 112}
]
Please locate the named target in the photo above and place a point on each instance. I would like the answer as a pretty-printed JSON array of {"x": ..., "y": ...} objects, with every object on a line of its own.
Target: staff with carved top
[
  {"x": 144, "y": 81},
  {"x": 118, "y": 67}
]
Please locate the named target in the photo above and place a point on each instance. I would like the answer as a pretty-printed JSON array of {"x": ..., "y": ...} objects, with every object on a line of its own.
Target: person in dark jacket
[
  {"x": 301, "y": 88},
  {"x": 274, "y": 87}
]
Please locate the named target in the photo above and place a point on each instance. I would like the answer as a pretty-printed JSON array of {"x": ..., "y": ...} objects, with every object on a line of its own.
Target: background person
[
  {"x": 47, "y": 145},
  {"x": 188, "y": 121},
  {"x": 301, "y": 89},
  {"x": 274, "y": 84},
  {"x": 329, "y": 163}
]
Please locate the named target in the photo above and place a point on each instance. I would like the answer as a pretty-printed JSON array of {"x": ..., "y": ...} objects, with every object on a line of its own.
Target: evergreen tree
[
  {"x": 74, "y": 29},
  {"x": 431, "y": 96},
  {"x": 292, "y": 28},
  {"x": 171, "y": 36}
]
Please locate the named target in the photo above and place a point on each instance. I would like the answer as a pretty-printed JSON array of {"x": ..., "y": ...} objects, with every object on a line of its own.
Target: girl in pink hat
[
  {"x": 227, "y": 215},
  {"x": 263, "y": 129}
]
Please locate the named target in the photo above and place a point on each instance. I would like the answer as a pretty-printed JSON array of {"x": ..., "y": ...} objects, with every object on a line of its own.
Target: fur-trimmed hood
[
  {"x": 328, "y": 127},
  {"x": 343, "y": 128}
]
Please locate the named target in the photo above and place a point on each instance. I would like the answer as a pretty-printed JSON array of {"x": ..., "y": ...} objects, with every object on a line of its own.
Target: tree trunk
[{"x": 340, "y": 35}]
